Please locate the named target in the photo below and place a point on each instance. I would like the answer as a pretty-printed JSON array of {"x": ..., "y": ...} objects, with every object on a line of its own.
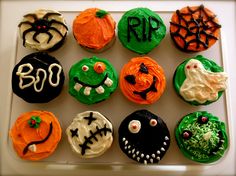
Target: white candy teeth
[
  {"x": 77, "y": 87},
  {"x": 108, "y": 82},
  {"x": 100, "y": 90},
  {"x": 87, "y": 90},
  {"x": 32, "y": 148}
]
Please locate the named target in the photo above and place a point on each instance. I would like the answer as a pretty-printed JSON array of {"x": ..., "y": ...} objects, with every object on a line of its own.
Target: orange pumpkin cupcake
[
  {"x": 194, "y": 28},
  {"x": 35, "y": 135},
  {"x": 142, "y": 80},
  {"x": 94, "y": 29}
]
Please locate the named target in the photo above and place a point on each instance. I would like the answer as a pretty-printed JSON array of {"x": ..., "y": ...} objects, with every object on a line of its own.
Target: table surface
[{"x": 9, "y": 166}]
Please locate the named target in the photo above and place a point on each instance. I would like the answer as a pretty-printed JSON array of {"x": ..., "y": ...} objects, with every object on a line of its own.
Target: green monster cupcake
[
  {"x": 140, "y": 30},
  {"x": 201, "y": 137},
  {"x": 199, "y": 81},
  {"x": 92, "y": 80}
]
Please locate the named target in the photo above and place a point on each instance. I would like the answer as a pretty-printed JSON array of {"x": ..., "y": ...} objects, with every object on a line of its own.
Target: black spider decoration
[{"x": 41, "y": 25}]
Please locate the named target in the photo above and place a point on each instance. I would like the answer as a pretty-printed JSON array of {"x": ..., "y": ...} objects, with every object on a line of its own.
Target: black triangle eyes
[
  {"x": 143, "y": 69},
  {"x": 130, "y": 79}
]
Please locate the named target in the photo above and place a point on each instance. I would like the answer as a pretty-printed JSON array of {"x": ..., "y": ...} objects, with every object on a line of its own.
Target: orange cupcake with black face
[
  {"x": 142, "y": 80},
  {"x": 94, "y": 29},
  {"x": 35, "y": 135}
]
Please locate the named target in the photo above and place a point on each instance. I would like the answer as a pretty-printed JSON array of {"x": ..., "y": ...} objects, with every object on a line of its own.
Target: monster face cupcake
[
  {"x": 144, "y": 137},
  {"x": 35, "y": 135},
  {"x": 201, "y": 137},
  {"x": 94, "y": 29},
  {"x": 142, "y": 80},
  {"x": 140, "y": 30},
  {"x": 92, "y": 80},
  {"x": 38, "y": 78},
  {"x": 43, "y": 30},
  {"x": 194, "y": 28},
  {"x": 199, "y": 81},
  {"x": 90, "y": 134}
]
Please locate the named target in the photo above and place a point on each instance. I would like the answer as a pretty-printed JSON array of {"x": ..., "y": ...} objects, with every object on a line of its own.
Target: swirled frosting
[
  {"x": 94, "y": 28},
  {"x": 142, "y": 80},
  {"x": 35, "y": 143}
]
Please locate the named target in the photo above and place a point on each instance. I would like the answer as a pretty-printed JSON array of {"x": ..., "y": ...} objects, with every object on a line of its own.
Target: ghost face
[
  {"x": 90, "y": 134},
  {"x": 144, "y": 137},
  {"x": 202, "y": 137},
  {"x": 92, "y": 80}
]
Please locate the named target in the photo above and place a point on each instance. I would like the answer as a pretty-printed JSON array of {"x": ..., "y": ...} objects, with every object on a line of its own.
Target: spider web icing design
[{"x": 199, "y": 28}]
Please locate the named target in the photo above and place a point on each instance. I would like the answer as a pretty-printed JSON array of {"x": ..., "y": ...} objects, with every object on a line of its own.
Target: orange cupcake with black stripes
[
  {"x": 94, "y": 29},
  {"x": 35, "y": 135},
  {"x": 142, "y": 80}
]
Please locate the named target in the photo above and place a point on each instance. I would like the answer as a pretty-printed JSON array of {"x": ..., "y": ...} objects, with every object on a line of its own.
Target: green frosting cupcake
[
  {"x": 199, "y": 81},
  {"x": 201, "y": 137},
  {"x": 92, "y": 80},
  {"x": 140, "y": 30}
]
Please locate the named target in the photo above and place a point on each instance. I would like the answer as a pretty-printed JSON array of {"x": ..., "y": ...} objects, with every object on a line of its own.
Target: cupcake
[
  {"x": 92, "y": 80},
  {"x": 43, "y": 30},
  {"x": 199, "y": 81},
  {"x": 90, "y": 134},
  {"x": 142, "y": 80},
  {"x": 94, "y": 29},
  {"x": 201, "y": 137},
  {"x": 140, "y": 30},
  {"x": 35, "y": 135},
  {"x": 144, "y": 137},
  {"x": 194, "y": 28},
  {"x": 38, "y": 78}
]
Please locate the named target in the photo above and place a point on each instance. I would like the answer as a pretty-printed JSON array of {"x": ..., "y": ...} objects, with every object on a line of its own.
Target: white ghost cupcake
[
  {"x": 90, "y": 134},
  {"x": 199, "y": 81}
]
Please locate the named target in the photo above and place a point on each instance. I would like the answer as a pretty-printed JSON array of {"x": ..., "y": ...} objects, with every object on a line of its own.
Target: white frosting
[
  {"x": 200, "y": 84},
  {"x": 153, "y": 122},
  {"x": 35, "y": 81},
  {"x": 32, "y": 148},
  {"x": 43, "y": 37},
  {"x": 100, "y": 90},
  {"x": 134, "y": 126},
  {"x": 108, "y": 82},
  {"x": 77, "y": 87},
  {"x": 98, "y": 147},
  {"x": 87, "y": 91}
]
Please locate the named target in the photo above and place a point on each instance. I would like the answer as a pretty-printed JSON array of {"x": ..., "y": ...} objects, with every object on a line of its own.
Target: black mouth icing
[
  {"x": 219, "y": 145},
  {"x": 152, "y": 88},
  {"x": 89, "y": 85}
]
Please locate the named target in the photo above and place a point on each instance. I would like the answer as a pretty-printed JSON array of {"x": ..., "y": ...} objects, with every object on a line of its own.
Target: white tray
[{"x": 170, "y": 107}]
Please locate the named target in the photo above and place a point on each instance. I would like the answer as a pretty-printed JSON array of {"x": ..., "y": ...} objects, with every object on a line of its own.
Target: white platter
[{"x": 170, "y": 107}]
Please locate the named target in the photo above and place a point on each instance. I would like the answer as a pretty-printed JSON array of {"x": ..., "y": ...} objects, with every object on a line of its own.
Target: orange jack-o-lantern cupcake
[
  {"x": 35, "y": 135},
  {"x": 94, "y": 29},
  {"x": 194, "y": 28},
  {"x": 142, "y": 80}
]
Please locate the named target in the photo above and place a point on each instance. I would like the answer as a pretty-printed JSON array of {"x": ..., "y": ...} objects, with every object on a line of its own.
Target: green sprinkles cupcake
[
  {"x": 140, "y": 30},
  {"x": 199, "y": 81},
  {"x": 201, "y": 137},
  {"x": 92, "y": 80}
]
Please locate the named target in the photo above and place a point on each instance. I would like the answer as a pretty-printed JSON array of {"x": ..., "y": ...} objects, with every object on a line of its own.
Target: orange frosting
[
  {"x": 143, "y": 81},
  {"x": 211, "y": 30},
  {"x": 93, "y": 32},
  {"x": 99, "y": 67},
  {"x": 22, "y": 135}
]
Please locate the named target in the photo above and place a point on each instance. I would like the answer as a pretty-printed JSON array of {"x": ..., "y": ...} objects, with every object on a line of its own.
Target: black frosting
[
  {"x": 151, "y": 141},
  {"x": 38, "y": 60}
]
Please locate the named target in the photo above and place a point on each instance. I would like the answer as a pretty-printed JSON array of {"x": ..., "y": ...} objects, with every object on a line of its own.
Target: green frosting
[
  {"x": 180, "y": 76},
  {"x": 199, "y": 146},
  {"x": 92, "y": 79},
  {"x": 101, "y": 13},
  {"x": 141, "y": 30}
]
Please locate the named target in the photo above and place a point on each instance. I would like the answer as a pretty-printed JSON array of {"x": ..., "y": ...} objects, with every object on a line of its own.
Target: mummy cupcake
[
  {"x": 35, "y": 135},
  {"x": 194, "y": 28},
  {"x": 199, "y": 81},
  {"x": 38, "y": 78},
  {"x": 141, "y": 30},
  {"x": 94, "y": 29},
  {"x": 90, "y": 134},
  {"x": 142, "y": 80},
  {"x": 43, "y": 30},
  {"x": 201, "y": 137},
  {"x": 144, "y": 137},
  {"x": 92, "y": 80}
]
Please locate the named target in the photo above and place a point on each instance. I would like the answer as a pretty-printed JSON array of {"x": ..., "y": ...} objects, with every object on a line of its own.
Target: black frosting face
[
  {"x": 38, "y": 78},
  {"x": 144, "y": 137}
]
